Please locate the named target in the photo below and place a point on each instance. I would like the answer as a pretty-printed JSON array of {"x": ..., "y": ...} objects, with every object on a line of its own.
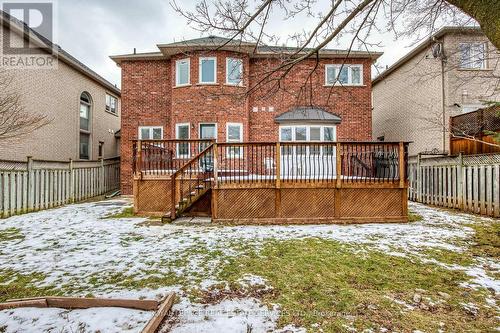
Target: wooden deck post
[
  {"x": 277, "y": 197},
  {"x": 173, "y": 192},
  {"x": 216, "y": 181},
  {"x": 138, "y": 166},
  {"x": 339, "y": 166},
  {"x": 216, "y": 165},
  {"x": 401, "y": 165}
]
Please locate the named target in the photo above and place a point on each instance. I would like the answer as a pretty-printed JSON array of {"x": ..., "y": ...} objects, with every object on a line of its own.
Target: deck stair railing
[
  {"x": 192, "y": 180},
  {"x": 163, "y": 157}
]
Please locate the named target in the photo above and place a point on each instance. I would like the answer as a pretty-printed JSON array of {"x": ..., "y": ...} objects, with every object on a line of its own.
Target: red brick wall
[
  {"x": 149, "y": 98},
  {"x": 146, "y": 89}
]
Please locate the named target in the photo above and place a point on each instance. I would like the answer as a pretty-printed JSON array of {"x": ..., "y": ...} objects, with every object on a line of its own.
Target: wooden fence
[
  {"x": 469, "y": 183},
  {"x": 36, "y": 185}
]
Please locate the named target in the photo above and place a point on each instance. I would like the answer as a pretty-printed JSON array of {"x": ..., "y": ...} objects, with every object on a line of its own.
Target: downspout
[{"x": 443, "y": 95}]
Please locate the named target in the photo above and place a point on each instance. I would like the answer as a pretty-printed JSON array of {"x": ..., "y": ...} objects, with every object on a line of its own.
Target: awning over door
[{"x": 308, "y": 115}]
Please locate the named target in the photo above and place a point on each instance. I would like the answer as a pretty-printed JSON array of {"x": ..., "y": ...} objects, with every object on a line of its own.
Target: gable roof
[
  {"x": 308, "y": 114},
  {"x": 19, "y": 27},
  {"x": 227, "y": 44},
  {"x": 422, "y": 46}
]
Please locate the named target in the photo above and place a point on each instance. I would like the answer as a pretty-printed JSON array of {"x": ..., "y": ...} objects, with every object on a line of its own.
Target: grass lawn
[{"x": 439, "y": 272}]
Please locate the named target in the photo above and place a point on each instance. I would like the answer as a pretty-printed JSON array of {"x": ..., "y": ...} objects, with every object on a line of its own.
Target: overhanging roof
[
  {"x": 422, "y": 46},
  {"x": 308, "y": 115},
  {"x": 213, "y": 43},
  {"x": 20, "y": 28}
]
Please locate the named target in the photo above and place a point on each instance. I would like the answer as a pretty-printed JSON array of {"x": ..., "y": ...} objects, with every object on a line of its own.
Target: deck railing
[
  {"x": 269, "y": 162},
  {"x": 164, "y": 157},
  {"x": 193, "y": 179}
]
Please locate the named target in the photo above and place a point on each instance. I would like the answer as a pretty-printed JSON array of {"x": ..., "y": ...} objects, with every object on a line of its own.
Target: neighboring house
[
  {"x": 451, "y": 73},
  {"x": 199, "y": 89},
  {"x": 82, "y": 107}
]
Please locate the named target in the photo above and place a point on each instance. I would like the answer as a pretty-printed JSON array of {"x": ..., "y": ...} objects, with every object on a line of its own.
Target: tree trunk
[{"x": 486, "y": 13}]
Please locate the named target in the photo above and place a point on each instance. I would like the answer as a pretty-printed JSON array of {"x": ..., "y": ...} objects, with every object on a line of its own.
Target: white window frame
[
  {"x": 177, "y": 138},
  {"x": 485, "y": 55},
  {"x": 308, "y": 134},
  {"x": 177, "y": 73},
  {"x": 108, "y": 107},
  {"x": 227, "y": 72},
  {"x": 199, "y": 129},
  {"x": 200, "y": 60},
  {"x": 230, "y": 154},
  {"x": 349, "y": 74},
  {"x": 150, "y": 128}
]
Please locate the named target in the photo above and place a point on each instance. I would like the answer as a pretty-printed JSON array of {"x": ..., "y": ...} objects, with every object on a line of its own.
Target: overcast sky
[{"x": 92, "y": 30}]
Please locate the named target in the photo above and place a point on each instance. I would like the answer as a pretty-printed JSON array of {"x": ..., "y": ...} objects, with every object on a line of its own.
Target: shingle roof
[
  {"x": 443, "y": 31},
  {"x": 236, "y": 45},
  {"x": 308, "y": 114},
  {"x": 5, "y": 18}
]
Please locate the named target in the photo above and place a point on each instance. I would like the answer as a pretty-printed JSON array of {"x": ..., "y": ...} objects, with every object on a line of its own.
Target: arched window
[{"x": 85, "y": 125}]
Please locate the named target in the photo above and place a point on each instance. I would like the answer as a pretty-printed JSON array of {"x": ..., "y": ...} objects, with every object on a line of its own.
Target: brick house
[
  {"x": 451, "y": 73},
  {"x": 83, "y": 109},
  {"x": 203, "y": 88}
]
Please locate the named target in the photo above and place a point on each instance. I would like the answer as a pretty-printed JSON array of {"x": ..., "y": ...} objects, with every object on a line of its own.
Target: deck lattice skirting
[{"x": 269, "y": 183}]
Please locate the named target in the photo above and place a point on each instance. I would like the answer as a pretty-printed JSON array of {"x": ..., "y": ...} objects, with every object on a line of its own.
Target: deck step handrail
[{"x": 188, "y": 184}]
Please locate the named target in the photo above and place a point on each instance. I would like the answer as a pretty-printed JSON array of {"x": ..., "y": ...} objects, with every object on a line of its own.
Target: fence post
[
  {"x": 71, "y": 181},
  {"x": 419, "y": 178},
  {"x": 460, "y": 181},
  {"x": 102, "y": 189},
  {"x": 31, "y": 183}
]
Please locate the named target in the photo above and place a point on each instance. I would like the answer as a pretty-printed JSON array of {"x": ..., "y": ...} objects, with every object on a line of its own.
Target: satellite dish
[{"x": 437, "y": 50}]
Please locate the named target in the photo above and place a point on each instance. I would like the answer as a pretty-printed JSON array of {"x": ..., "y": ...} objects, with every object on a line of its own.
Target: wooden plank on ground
[
  {"x": 85, "y": 303},
  {"x": 30, "y": 303},
  {"x": 160, "y": 314}
]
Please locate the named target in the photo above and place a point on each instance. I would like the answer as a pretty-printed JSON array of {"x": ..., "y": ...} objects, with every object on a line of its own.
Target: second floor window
[
  {"x": 208, "y": 70},
  {"x": 182, "y": 72},
  {"x": 473, "y": 55},
  {"x": 234, "y": 71},
  {"x": 349, "y": 75},
  {"x": 111, "y": 104}
]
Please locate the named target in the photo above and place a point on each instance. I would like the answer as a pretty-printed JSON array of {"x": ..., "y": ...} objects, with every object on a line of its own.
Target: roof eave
[
  {"x": 118, "y": 59},
  {"x": 59, "y": 55},
  {"x": 422, "y": 46}
]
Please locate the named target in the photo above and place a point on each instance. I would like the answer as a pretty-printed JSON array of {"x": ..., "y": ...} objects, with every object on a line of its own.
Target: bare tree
[
  {"x": 15, "y": 121},
  {"x": 473, "y": 126},
  {"x": 244, "y": 20}
]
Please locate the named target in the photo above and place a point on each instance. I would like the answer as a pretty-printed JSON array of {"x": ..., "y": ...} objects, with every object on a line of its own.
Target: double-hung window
[
  {"x": 182, "y": 76},
  {"x": 150, "y": 133},
  {"x": 111, "y": 104},
  {"x": 182, "y": 132},
  {"x": 208, "y": 70},
  {"x": 234, "y": 71},
  {"x": 348, "y": 75},
  {"x": 473, "y": 55},
  {"x": 234, "y": 133}
]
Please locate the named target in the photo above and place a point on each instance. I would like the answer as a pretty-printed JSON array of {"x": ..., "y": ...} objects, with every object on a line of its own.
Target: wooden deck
[{"x": 272, "y": 183}]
